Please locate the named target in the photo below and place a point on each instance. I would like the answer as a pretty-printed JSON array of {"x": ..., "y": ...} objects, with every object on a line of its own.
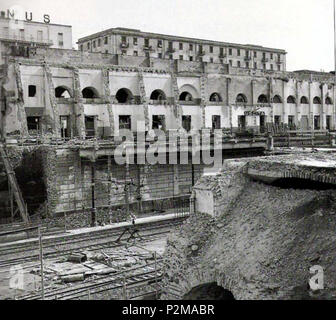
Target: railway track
[
  {"x": 55, "y": 249},
  {"x": 130, "y": 278}
]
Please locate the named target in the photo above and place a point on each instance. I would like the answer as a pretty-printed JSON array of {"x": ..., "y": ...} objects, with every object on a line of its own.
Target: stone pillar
[
  {"x": 177, "y": 107},
  {"x": 298, "y": 105},
  {"x": 78, "y": 106},
  {"x": 311, "y": 110},
  {"x": 143, "y": 98},
  {"x": 203, "y": 83},
  {"x": 108, "y": 98},
  {"x": 324, "y": 88},
  {"x": 176, "y": 180},
  {"x": 284, "y": 105},
  {"x": 253, "y": 97}
]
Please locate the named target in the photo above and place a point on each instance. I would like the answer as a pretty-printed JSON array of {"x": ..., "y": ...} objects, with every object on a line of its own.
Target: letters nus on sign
[{"x": 22, "y": 15}]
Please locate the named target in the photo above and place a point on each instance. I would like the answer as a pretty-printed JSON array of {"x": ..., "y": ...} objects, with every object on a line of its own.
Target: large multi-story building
[
  {"x": 16, "y": 36},
  {"x": 137, "y": 43}
]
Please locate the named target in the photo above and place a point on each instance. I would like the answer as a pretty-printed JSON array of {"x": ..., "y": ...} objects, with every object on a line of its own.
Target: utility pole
[
  {"x": 93, "y": 204},
  {"x": 41, "y": 262},
  {"x": 127, "y": 184}
]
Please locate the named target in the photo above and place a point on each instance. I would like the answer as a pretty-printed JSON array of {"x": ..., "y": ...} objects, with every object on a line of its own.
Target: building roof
[{"x": 136, "y": 32}]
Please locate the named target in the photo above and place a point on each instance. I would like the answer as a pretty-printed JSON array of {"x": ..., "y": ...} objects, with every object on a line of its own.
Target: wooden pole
[{"x": 41, "y": 262}]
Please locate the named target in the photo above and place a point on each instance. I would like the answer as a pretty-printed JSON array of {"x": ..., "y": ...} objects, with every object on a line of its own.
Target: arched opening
[
  {"x": 208, "y": 291},
  {"x": 124, "y": 95},
  {"x": 316, "y": 100},
  {"x": 215, "y": 97},
  {"x": 304, "y": 100},
  {"x": 277, "y": 99},
  {"x": 262, "y": 99},
  {"x": 90, "y": 93},
  {"x": 62, "y": 92},
  {"x": 328, "y": 100},
  {"x": 158, "y": 95},
  {"x": 290, "y": 99},
  {"x": 241, "y": 98},
  {"x": 186, "y": 96}
]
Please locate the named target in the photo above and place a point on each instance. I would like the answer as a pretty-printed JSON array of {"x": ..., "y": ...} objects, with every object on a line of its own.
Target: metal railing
[{"x": 23, "y": 38}]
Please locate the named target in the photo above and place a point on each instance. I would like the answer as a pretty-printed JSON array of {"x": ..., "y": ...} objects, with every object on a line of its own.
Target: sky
[{"x": 304, "y": 28}]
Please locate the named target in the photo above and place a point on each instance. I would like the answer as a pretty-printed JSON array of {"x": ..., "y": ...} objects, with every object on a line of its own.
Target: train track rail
[
  {"x": 56, "y": 250},
  {"x": 130, "y": 278}
]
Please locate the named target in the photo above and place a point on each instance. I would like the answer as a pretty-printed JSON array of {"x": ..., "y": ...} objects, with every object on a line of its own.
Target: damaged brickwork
[{"x": 262, "y": 242}]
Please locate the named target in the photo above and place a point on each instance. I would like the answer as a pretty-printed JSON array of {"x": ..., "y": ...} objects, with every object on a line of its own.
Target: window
[
  {"x": 241, "y": 98},
  {"x": 147, "y": 54},
  {"x": 277, "y": 120},
  {"x": 247, "y": 65},
  {"x": 135, "y": 41},
  {"x": 230, "y": 62},
  {"x": 159, "y": 44},
  {"x": 264, "y": 66},
  {"x": 238, "y": 64},
  {"x": 170, "y": 56},
  {"x": 60, "y": 39},
  {"x": 255, "y": 54},
  {"x": 170, "y": 45},
  {"x": 160, "y": 55},
  {"x": 255, "y": 65},
  {"x": 135, "y": 53},
  {"x": 304, "y": 100},
  {"x": 200, "y": 59},
  {"x": 186, "y": 123},
  {"x": 191, "y": 47},
  {"x": 290, "y": 99},
  {"x": 200, "y": 47},
  {"x": 279, "y": 67},
  {"x": 238, "y": 52},
  {"x": 158, "y": 122},
  {"x": 290, "y": 121},
  {"x": 230, "y": 52},
  {"x": 211, "y": 60},
  {"x": 181, "y": 57},
  {"x": 106, "y": 51},
  {"x": 221, "y": 51},
  {"x": 146, "y": 42},
  {"x": 328, "y": 100},
  {"x": 88, "y": 45},
  {"x": 191, "y": 58},
  {"x": 31, "y": 91},
  {"x": 264, "y": 55},
  {"x": 106, "y": 40},
  {"x": 317, "y": 100},
  {"x": 216, "y": 122},
  {"x": 94, "y": 44},
  {"x": 215, "y": 97},
  {"x": 271, "y": 66},
  {"x": 262, "y": 99},
  {"x": 328, "y": 122},
  {"x": 39, "y": 35},
  {"x": 271, "y": 56},
  {"x": 123, "y": 39},
  {"x": 277, "y": 99},
  {"x": 123, "y": 52},
  {"x": 33, "y": 123},
  {"x": 317, "y": 123},
  {"x": 99, "y": 42},
  {"x": 211, "y": 49},
  {"x": 181, "y": 46},
  {"x": 125, "y": 122}
]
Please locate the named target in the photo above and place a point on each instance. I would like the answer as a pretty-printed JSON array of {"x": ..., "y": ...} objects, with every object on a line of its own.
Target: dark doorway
[
  {"x": 317, "y": 125},
  {"x": 65, "y": 126},
  {"x": 328, "y": 122},
  {"x": 262, "y": 123},
  {"x": 90, "y": 126},
  {"x": 34, "y": 126},
  {"x": 241, "y": 123},
  {"x": 216, "y": 122},
  {"x": 159, "y": 122},
  {"x": 186, "y": 123},
  {"x": 125, "y": 122}
]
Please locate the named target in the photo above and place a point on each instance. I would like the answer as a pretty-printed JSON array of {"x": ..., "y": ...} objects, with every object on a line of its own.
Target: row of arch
[
  {"x": 125, "y": 95},
  {"x": 241, "y": 98}
]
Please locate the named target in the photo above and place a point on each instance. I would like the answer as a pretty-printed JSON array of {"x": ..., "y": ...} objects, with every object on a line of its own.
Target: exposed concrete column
[
  {"x": 143, "y": 98},
  {"x": 176, "y": 108},
  {"x": 311, "y": 110},
  {"x": 78, "y": 106},
  {"x": 21, "y": 111},
  {"x": 298, "y": 105},
  {"x": 323, "y": 106},
  {"x": 203, "y": 82},
  {"x": 271, "y": 100},
  {"x": 284, "y": 105},
  {"x": 52, "y": 99},
  {"x": 254, "y": 100},
  {"x": 108, "y": 98},
  {"x": 228, "y": 82}
]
